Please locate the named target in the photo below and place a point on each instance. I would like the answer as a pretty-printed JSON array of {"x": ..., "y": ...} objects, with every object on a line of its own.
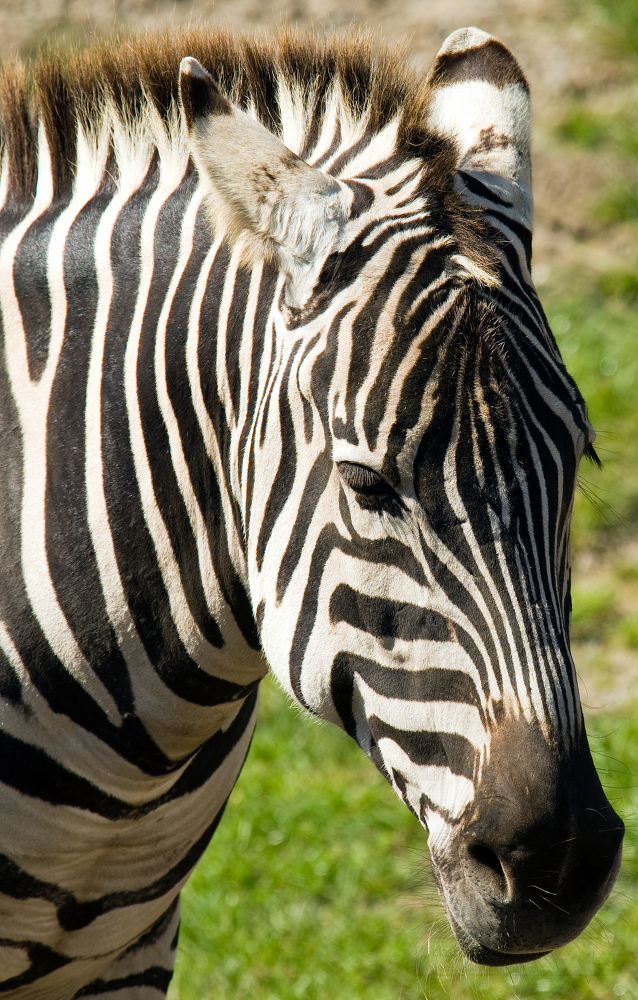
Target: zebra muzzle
[{"x": 535, "y": 856}]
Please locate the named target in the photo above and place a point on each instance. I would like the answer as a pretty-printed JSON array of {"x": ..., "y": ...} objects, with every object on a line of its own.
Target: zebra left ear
[
  {"x": 480, "y": 98},
  {"x": 284, "y": 210}
]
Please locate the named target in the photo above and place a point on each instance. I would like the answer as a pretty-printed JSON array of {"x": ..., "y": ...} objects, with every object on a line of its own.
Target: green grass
[
  {"x": 595, "y": 611},
  {"x": 602, "y": 615},
  {"x": 619, "y": 21},
  {"x": 592, "y": 129},
  {"x": 604, "y": 119},
  {"x": 317, "y": 885},
  {"x": 619, "y": 204},
  {"x": 621, "y": 284},
  {"x": 613, "y": 23},
  {"x": 598, "y": 339}
]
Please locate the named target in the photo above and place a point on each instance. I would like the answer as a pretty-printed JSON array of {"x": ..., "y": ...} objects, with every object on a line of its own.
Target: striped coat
[{"x": 276, "y": 390}]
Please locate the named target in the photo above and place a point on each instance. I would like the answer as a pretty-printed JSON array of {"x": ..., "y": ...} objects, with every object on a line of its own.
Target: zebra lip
[{"x": 480, "y": 954}]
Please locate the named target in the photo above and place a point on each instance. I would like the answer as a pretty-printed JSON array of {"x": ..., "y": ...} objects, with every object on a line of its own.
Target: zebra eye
[{"x": 371, "y": 490}]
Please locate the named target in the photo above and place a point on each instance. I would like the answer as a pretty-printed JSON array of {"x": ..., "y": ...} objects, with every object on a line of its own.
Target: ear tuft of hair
[
  {"x": 283, "y": 209},
  {"x": 198, "y": 94},
  {"x": 480, "y": 98}
]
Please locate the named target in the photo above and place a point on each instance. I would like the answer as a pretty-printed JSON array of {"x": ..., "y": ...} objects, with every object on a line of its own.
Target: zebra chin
[{"x": 533, "y": 858}]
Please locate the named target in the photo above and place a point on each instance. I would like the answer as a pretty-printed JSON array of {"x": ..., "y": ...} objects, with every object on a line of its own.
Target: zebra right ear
[
  {"x": 284, "y": 210},
  {"x": 480, "y": 98}
]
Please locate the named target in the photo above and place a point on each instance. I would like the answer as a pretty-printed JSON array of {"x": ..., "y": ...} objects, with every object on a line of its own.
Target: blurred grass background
[{"x": 317, "y": 883}]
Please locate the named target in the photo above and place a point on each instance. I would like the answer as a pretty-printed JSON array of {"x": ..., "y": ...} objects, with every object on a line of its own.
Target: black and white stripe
[{"x": 332, "y": 426}]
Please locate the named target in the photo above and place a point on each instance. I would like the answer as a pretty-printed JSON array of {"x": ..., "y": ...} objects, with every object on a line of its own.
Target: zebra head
[{"x": 405, "y": 463}]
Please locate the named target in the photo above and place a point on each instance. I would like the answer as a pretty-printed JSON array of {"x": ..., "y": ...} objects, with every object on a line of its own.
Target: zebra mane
[{"x": 114, "y": 105}]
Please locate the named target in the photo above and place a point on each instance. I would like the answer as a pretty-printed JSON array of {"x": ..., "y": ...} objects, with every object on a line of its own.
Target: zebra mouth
[{"x": 480, "y": 954}]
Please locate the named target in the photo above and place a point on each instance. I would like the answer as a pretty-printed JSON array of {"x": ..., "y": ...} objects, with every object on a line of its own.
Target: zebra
[{"x": 277, "y": 392}]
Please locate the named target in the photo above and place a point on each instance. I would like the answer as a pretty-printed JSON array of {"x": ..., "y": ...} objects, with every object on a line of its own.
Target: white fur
[
  {"x": 463, "y": 111},
  {"x": 4, "y": 179}
]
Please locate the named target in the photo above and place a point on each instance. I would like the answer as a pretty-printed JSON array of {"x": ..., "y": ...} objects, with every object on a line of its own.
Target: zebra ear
[
  {"x": 286, "y": 211},
  {"x": 480, "y": 98}
]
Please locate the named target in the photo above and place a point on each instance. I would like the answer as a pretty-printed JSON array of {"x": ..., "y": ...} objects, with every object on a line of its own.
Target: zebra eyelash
[{"x": 371, "y": 490}]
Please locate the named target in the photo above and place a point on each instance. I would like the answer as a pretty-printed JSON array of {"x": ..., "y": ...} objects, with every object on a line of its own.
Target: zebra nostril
[
  {"x": 487, "y": 873},
  {"x": 485, "y": 857}
]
